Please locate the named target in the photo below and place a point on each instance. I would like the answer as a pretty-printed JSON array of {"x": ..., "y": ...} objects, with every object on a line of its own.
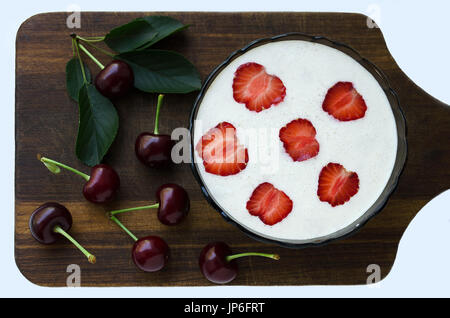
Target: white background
[{"x": 416, "y": 33}]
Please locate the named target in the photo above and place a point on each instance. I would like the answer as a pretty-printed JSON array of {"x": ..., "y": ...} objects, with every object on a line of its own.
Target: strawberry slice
[
  {"x": 336, "y": 184},
  {"x": 221, "y": 152},
  {"x": 299, "y": 139},
  {"x": 255, "y": 88},
  {"x": 269, "y": 204},
  {"x": 344, "y": 103}
]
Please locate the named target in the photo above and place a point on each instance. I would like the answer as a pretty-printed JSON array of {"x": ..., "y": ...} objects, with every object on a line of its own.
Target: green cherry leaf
[
  {"x": 98, "y": 125},
  {"x": 160, "y": 71},
  {"x": 130, "y": 36},
  {"x": 52, "y": 167},
  {"x": 74, "y": 77},
  {"x": 164, "y": 26}
]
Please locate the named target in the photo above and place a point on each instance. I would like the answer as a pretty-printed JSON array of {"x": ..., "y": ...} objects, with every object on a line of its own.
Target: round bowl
[{"x": 401, "y": 142}]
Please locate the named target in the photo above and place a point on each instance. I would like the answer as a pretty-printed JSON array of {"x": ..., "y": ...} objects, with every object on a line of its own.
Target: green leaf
[
  {"x": 74, "y": 77},
  {"x": 164, "y": 26},
  {"x": 98, "y": 125},
  {"x": 52, "y": 167},
  {"x": 130, "y": 36},
  {"x": 159, "y": 71}
]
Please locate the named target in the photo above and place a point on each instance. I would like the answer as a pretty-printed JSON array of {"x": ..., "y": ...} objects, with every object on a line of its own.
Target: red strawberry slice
[
  {"x": 299, "y": 139},
  {"x": 221, "y": 152},
  {"x": 336, "y": 184},
  {"x": 344, "y": 103},
  {"x": 255, "y": 88},
  {"x": 269, "y": 204}
]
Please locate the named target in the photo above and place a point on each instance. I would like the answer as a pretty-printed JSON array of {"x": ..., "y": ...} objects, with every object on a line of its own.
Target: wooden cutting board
[{"x": 46, "y": 122}]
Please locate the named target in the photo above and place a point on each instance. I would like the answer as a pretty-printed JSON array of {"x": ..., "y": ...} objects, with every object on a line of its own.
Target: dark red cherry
[
  {"x": 103, "y": 184},
  {"x": 154, "y": 150},
  {"x": 173, "y": 203},
  {"x": 218, "y": 265},
  {"x": 44, "y": 220},
  {"x": 100, "y": 187},
  {"x": 52, "y": 220},
  {"x": 214, "y": 265},
  {"x": 115, "y": 80},
  {"x": 150, "y": 253}
]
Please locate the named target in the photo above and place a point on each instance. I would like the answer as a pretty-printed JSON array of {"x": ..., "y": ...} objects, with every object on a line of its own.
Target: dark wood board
[{"x": 46, "y": 122}]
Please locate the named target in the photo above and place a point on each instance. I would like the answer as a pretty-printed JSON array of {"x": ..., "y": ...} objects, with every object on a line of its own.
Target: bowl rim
[{"x": 400, "y": 160}]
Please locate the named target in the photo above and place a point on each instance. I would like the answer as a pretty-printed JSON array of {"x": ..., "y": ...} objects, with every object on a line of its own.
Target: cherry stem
[
  {"x": 272, "y": 256},
  {"x": 91, "y": 38},
  {"x": 49, "y": 162},
  {"x": 158, "y": 107},
  {"x": 91, "y": 258},
  {"x": 96, "y": 47},
  {"x": 123, "y": 227},
  {"x": 74, "y": 51},
  {"x": 153, "y": 206},
  {"x": 75, "y": 42},
  {"x": 92, "y": 57}
]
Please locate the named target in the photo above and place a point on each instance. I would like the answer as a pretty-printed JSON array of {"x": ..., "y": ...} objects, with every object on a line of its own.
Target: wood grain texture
[{"x": 46, "y": 122}]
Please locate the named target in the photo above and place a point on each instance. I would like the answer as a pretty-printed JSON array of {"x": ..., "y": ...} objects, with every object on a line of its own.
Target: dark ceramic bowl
[{"x": 401, "y": 143}]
